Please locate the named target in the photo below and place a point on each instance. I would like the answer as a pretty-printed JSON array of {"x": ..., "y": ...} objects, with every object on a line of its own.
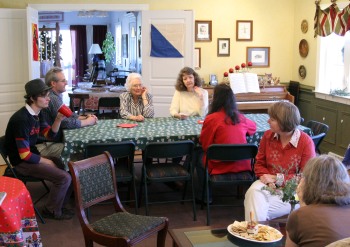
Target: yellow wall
[{"x": 276, "y": 23}]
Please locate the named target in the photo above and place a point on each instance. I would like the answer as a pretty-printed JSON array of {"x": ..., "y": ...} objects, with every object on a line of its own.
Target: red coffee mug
[{"x": 65, "y": 110}]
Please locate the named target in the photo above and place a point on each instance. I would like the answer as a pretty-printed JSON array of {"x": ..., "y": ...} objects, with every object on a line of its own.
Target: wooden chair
[
  {"x": 113, "y": 105},
  {"x": 94, "y": 181},
  {"x": 11, "y": 172},
  {"x": 161, "y": 172},
  {"x": 81, "y": 98},
  {"x": 319, "y": 131},
  {"x": 228, "y": 153},
  {"x": 123, "y": 157}
]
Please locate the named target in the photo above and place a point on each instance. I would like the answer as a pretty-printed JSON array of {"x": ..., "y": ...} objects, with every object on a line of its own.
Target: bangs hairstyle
[
  {"x": 51, "y": 75},
  {"x": 29, "y": 99},
  {"x": 286, "y": 114},
  {"x": 130, "y": 78},
  {"x": 180, "y": 86},
  {"x": 223, "y": 98},
  {"x": 326, "y": 181}
]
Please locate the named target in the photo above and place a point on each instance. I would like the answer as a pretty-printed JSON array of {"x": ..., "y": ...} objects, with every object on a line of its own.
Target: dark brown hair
[{"x": 180, "y": 86}]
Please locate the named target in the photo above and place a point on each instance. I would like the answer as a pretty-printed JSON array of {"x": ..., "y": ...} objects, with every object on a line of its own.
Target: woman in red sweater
[
  {"x": 224, "y": 125},
  {"x": 283, "y": 149}
]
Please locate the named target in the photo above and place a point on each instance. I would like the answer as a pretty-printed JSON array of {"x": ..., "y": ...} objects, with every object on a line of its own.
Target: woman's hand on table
[
  {"x": 91, "y": 119},
  {"x": 138, "y": 118},
  {"x": 181, "y": 116}
]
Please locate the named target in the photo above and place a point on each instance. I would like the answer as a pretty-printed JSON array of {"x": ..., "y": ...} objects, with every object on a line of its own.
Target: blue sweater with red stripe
[{"x": 21, "y": 136}]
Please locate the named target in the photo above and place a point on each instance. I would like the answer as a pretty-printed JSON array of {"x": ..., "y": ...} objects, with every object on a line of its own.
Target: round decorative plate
[
  {"x": 304, "y": 26},
  {"x": 302, "y": 71},
  {"x": 303, "y": 48}
]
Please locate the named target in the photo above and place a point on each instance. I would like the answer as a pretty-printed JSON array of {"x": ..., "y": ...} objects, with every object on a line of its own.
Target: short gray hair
[
  {"x": 326, "y": 181},
  {"x": 130, "y": 78},
  {"x": 51, "y": 75}
]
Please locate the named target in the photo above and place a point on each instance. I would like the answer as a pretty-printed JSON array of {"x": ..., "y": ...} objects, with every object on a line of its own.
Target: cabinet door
[
  {"x": 328, "y": 116},
  {"x": 343, "y": 133}
]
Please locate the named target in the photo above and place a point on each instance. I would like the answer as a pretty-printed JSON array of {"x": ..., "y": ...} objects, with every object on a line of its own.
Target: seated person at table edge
[
  {"x": 284, "y": 149},
  {"x": 224, "y": 124},
  {"x": 189, "y": 98},
  {"x": 20, "y": 139},
  {"x": 324, "y": 194},
  {"x": 56, "y": 79},
  {"x": 136, "y": 104}
]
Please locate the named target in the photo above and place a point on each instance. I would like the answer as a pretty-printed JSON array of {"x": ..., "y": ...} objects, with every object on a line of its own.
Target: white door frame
[{"x": 78, "y": 7}]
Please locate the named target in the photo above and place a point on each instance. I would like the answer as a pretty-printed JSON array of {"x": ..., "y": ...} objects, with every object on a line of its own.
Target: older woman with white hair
[{"x": 136, "y": 103}]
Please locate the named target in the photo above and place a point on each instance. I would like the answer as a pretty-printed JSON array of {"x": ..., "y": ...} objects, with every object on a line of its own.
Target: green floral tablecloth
[{"x": 162, "y": 129}]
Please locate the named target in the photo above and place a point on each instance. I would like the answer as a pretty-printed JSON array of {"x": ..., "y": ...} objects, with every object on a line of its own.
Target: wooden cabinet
[{"x": 335, "y": 115}]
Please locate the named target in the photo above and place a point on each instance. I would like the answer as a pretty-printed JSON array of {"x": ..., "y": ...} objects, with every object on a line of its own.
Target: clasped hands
[{"x": 269, "y": 180}]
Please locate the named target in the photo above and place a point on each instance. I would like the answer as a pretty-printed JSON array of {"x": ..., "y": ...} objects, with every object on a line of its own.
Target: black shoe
[
  {"x": 50, "y": 215},
  {"x": 68, "y": 211}
]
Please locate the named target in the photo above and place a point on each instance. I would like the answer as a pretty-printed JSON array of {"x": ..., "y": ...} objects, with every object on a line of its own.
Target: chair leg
[
  {"x": 146, "y": 197},
  {"x": 207, "y": 192},
  {"x": 135, "y": 195},
  {"x": 193, "y": 202},
  {"x": 39, "y": 215},
  {"x": 88, "y": 242}
]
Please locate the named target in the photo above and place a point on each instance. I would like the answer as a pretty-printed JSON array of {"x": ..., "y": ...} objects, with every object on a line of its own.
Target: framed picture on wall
[
  {"x": 259, "y": 56},
  {"x": 203, "y": 31},
  {"x": 244, "y": 30},
  {"x": 197, "y": 58},
  {"x": 224, "y": 47},
  {"x": 125, "y": 45}
]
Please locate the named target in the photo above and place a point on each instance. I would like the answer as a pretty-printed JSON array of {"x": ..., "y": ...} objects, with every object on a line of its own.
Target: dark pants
[{"x": 60, "y": 179}]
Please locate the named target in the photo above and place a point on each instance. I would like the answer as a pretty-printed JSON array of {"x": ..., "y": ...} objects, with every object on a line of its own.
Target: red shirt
[
  {"x": 216, "y": 131},
  {"x": 272, "y": 155}
]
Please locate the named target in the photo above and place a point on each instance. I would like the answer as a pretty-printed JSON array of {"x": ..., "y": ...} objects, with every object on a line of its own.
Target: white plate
[{"x": 229, "y": 229}]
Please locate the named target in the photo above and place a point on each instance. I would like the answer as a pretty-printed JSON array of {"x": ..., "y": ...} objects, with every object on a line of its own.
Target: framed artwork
[
  {"x": 244, "y": 30},
  {"x": 125, "y": 45},
  {"x": 203, "y": 31},
  {"x": 259, "y": 56},
  {"x": 224, "y": 47},
  {"x": 51, "y": 16},
  {"x": 197, "y": 58}
]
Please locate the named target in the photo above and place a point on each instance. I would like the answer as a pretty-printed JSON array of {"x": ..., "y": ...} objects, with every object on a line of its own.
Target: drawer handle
[
  {"x": 323, "y": 118},
  {"x": 341, "y": 121}
]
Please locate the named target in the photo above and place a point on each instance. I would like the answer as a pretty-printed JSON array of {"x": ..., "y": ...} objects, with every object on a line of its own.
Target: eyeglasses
[
  {"x": 136, "y": 85},
  {"x": 63, "y": 80}
]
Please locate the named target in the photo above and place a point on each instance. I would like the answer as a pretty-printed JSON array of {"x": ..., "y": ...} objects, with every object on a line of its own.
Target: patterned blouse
[{"x": 129, "y": 108}]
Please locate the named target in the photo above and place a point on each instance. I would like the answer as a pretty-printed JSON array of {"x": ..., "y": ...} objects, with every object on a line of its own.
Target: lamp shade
[{"x": 95, "y": 49}]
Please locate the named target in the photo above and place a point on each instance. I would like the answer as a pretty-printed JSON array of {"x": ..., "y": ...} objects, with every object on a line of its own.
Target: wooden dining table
[
  {"x": 18, "y": 224},
  {"x": 162, "y": 129},
  {"x": 96, "y": 93}
]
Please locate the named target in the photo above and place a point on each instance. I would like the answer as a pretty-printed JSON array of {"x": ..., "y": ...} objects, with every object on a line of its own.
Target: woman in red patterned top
[{"x": 283, "y": 148}]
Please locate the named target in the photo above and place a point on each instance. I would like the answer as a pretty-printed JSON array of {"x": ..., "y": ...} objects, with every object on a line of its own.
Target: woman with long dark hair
[{"x": 224, "y": 124}]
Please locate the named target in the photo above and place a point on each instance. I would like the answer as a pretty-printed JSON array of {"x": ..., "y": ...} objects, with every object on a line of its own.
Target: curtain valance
[{"x": 331, "y": 20}]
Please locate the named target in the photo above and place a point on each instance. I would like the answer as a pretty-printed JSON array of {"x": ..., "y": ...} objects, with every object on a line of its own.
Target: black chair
[
  {"x": 228, "y": 153},
  {"x": 163, "y": 172},
  {"x": 123, "y": 157},
  {"x": 111, "y": 105},
  {"x": 11, "y": 172},
  {"x": 319, "y": 131},
  {"x": 94, "y": 182},
  {"x": 81, "y": 97}
]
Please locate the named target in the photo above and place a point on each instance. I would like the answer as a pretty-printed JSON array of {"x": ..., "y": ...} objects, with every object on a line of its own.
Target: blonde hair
[{"x": 129, "y": 80}]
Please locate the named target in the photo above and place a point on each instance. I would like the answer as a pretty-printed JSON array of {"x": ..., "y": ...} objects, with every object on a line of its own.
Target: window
[
  {"x": 333, "y": 63},
  {"x": 118, "y": 45},
  {"x": 334, "y": 56}
]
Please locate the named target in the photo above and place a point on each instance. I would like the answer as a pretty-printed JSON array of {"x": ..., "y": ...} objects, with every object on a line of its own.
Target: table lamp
[{"x": 95, "y": 49}]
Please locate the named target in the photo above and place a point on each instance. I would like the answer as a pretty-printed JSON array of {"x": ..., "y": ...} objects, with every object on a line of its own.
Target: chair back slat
[
  {"x": 116, "y": 149},
  {"x": 94, "y": 179},
  {"x": 231, "y": 152},
  {"x": 169, "y": 149}
]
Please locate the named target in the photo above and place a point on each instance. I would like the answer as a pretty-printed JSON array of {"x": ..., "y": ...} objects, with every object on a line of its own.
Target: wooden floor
[{"x": 68, "y": 233}]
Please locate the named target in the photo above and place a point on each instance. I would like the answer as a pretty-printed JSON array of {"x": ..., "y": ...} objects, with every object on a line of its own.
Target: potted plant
[{"x": 108, "y": 48}]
